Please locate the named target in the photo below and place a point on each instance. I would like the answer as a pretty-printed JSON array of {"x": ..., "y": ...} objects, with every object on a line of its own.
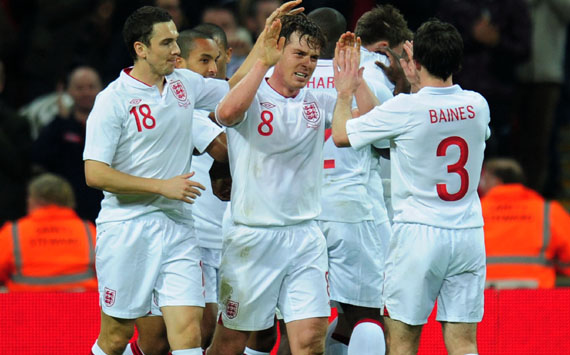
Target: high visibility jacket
[
  {"x": 527, "y": 239},
  {"x": 51, "y": 249}
]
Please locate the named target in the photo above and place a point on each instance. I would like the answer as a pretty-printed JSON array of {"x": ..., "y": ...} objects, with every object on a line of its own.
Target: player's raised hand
[
  {"x": 394, "y": 72},
  {"x": 409, "y": 66},
  {"x": 180, "y": 188},
  {"x": 272, "y": 44},
  {"x": 346, "y": 67}
]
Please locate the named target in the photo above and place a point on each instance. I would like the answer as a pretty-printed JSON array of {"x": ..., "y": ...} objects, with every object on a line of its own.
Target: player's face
[
  {"x": 223, "y": 60},
  {"x": 297, "y": 63},
  {"x": 202, "y": 58},
  {"x": 162, "y": 52}
]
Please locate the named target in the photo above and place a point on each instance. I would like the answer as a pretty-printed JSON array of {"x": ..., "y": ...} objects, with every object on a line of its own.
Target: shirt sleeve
[
  {"x": 204, "y": 131},
  {"x": 382, "y": 122},
  {"x": 103, "y": 129},
  {"x": 328, "y": 102},
  {"x": 211, "y": 92}
]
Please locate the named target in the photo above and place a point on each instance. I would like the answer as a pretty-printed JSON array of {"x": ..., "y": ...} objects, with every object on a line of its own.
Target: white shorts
[
  {"x": 211, "y": 259},
  {"x": 144, "y": 261},
  {"x": 356, "y": 262},
  {"x": 426, "y": 263},
  {"x": 269, "y": 267}
]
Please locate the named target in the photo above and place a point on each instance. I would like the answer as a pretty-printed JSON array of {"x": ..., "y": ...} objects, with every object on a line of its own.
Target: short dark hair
[
  {"x": 187, "y": 38},
  {"x": 508, "y": 170},
  {"x": 305, "y": 27},
  {"x": 439, "y": 48},
  {"x": 139, "y": 25},
  {"x": 333, "y": 25},
  {"x": 383, "y": 23},
  {"x": 215, "y": 31}
]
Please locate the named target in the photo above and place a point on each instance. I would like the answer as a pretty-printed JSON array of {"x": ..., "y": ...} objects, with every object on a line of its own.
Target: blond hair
[{"x": 50, "y": 189}]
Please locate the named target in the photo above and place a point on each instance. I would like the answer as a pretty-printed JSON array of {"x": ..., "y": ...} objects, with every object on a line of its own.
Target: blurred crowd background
[{"x": 56, "y": 55}]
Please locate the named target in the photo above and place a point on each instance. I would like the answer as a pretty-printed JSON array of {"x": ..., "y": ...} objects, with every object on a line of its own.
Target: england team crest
[
  {"x": 312, "y": 114},
  {"x": 109, "y": 297},
  {"x": 179, "y": 92},
  {"x": 232, "y": 308}
]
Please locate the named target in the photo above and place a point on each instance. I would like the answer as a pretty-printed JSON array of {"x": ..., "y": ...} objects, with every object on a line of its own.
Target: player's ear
[
  {"x": 140, "y": 49},
  {"x": 229, "y": 55}
]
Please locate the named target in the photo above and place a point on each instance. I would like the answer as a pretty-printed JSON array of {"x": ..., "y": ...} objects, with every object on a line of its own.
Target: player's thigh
[
  {"x": 254, "y": 263},
  {"x": 304, "y": 292},
  {"x": 401, "y": 338},
  {"x": 307, "y": 336},
  {"x": 152, "y": 335},
  {"x": 128, "y": 259},
  {"x": 356, "y": 262},
  {"x": 180, "y": 280},
  {"x": 460, "y": 338},
  {"x": 115, "y": 331},
  {"x": 461, "y": 296},
  {"x": 228, "y": 341},
  {"x": 415, "y": 269},
  {"x": 183, "y": 325}
]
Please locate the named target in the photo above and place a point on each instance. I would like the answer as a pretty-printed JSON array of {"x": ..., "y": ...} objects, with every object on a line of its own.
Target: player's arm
[
  {"x": 101, "y": 176},
  {"x": 218, "y": 148},
  {"x": 365, "y": 98},
  {"x": 233, "y": 106},
  {"x": 347, "y": 77},
  {"x": 258, "y": 48},
  {"x": 394, "y": 72}
]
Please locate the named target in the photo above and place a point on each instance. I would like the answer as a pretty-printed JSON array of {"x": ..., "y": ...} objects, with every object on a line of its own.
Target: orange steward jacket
[
  {"x": 527, "y": 240},
  {"x": 51, "y": 249}
]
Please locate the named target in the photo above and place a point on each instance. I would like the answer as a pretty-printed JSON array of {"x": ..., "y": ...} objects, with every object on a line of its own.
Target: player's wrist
[{"x": 345, "y": 95}]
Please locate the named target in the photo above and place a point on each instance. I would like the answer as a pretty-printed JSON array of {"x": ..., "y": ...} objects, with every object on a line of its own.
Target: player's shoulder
[{"x": 185, "y": 75}]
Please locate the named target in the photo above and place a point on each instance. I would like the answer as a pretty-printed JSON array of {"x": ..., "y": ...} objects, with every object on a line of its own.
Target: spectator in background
[
  {"x": 51, "y": 249},
  {"x": 238, "y": 38},
  {"x": 174, "y": 9},
  {"x": 541, "y": 80},
  {"x": 256, "y": 12},
  {"x": 59, "y": 147},
  {"x": 15, "y": 143},
  {"x": 496, "y": 35},
  {"x": 527, "y": 239}
]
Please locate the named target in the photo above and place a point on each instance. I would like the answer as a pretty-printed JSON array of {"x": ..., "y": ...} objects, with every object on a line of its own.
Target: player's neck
[
  {"x": 426, "y": 79},
  {"x": 277, "y": 84},
  {"x": 142, "y": 72}
]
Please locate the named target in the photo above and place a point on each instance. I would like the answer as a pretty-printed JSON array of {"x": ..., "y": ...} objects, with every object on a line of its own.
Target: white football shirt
[
  {"x": 346, "y": 170},
  {"x": 208, "y": 210},
  {"x": 276, "y": 158},
  {"x": 437, "y": 143},
  {"x": 140, "y": 131}
]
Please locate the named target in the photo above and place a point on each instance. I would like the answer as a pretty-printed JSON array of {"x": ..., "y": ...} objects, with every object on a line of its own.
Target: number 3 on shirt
[
  {"x": 457, "y": 168},
  {"x": 148, "y": 121}
]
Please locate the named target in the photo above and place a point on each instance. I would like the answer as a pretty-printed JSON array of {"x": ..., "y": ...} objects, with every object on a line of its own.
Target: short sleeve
[
  {"x": 381, "y": 123},
  {"x": 204, "y": 131},
  {"x": 103, "y": 130},
  {"x": 213, "y": 91}
]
